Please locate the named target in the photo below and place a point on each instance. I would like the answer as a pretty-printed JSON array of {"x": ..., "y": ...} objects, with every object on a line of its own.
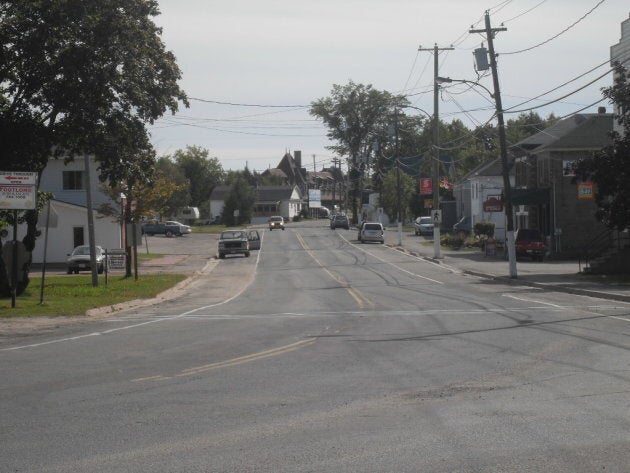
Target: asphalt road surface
[{"x": 320, "y": 354}]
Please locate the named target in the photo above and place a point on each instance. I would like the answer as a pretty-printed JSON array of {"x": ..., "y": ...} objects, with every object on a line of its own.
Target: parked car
[
  {"x": 79, "y": 260},
  {"x": 340, "y": 221},
  {"x": 232, "y": 242},
  {"x": 372, "y": 231},
  {"x": 183, "y": 229},
  {"x": 423, "y": 226},
  {"x": 161, "y": 228},
  {"x": 276, "y": 222},
  {"x": 529, "y": 242}
]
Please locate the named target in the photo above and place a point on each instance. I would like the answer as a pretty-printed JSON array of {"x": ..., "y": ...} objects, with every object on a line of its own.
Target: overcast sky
[{"x": 269, "y": 59}]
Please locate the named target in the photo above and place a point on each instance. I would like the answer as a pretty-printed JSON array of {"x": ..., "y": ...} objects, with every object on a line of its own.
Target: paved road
[{"x": 320, "y": 354}]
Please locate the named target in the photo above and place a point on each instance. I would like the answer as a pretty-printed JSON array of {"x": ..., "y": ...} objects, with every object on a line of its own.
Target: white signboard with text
[{"x": 18, "y": 190}]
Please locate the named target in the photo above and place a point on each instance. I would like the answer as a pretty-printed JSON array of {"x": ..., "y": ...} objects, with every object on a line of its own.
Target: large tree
[
  {"x": 202, "y": 172},
  {"x": 610, "y": 168},
  {"x": 81, "y": 77},
  {"x": 357, "y": 116}
]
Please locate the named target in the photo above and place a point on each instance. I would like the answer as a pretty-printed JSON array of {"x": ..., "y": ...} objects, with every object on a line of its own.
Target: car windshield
[
  {"x": 373, "y": 226},
  {"x": 424, "y": 220},
  {"x": 230, "y": 235},
  {"x": 276, "y": 219},
  {"x": 340, "y": 217}
]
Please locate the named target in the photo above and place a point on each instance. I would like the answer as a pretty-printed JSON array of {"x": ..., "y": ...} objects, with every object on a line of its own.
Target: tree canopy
[{"x": 82, "y": 77}]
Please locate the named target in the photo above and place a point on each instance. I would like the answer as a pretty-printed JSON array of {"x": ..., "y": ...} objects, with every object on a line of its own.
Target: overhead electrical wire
[
  {"x": 559, "y": 34},
  {"x": 524, "y": 13},
  {"x": 246, "y": 104}
]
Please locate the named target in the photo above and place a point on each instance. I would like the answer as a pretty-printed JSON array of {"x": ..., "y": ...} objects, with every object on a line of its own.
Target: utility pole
[
  {"x": 436, "y": 145},
  {"x": 507, "y": 189},
  {"x": 398, "y": 199}
]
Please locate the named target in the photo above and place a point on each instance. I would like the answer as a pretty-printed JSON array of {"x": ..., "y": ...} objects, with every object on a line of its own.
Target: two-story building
[
  {"x": 546, "y": 195},
  {"x": 68, "y": 222}
]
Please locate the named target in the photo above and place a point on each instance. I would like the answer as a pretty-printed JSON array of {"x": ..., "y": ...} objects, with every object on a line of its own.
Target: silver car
[{"x": 372, "y": 231}]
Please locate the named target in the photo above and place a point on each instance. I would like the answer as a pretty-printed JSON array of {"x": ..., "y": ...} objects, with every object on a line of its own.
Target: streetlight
[{"x": 507, "y": 192}]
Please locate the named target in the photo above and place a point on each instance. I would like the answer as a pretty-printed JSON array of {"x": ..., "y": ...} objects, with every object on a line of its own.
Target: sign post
[{"x": 18, "y": 191}]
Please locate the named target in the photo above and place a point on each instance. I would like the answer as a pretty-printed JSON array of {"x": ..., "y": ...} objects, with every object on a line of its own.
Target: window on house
[{"x": 73, "y": 180}]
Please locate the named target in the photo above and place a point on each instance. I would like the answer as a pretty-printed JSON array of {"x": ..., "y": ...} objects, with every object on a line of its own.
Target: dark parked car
[
  {"x": 529, "y": 242},
  {"x": 79, "y": 260},
  {"x": 340, "y": 221},
  {"x": 463, "y": 227}
]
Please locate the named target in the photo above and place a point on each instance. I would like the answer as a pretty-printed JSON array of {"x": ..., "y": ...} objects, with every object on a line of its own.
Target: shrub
[{"x": 484, "y": 230}]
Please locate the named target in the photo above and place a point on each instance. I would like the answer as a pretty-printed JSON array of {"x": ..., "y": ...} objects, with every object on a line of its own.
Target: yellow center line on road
[
  {"x": 232, "y": 362},
  {"x": 357, "y": 295}
]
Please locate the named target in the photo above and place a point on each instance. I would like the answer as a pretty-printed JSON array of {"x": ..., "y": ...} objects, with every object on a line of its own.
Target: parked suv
[
  {"x": 531, "y": 243},
  {"x": 372, "y": 231},
  {"x": 340, "y": 221}
]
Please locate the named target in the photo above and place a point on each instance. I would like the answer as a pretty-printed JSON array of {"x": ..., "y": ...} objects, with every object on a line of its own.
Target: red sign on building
[
  {"x": 493, "y": 205},
  {"x": 426, "y": 187}
]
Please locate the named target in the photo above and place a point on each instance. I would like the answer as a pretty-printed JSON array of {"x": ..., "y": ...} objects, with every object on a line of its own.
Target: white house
[
  {"x": 477, "y": 188},
  {"x": 69, "y": 222}
]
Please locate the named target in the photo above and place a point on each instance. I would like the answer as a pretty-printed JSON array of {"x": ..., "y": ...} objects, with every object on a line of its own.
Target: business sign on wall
[
  {"x": 18, "y": 190},
  {"x": 426, "y": 186},
  {"x": 585, "y": 191}
]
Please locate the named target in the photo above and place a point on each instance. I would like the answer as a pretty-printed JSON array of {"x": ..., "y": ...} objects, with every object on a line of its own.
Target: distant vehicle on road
[
  {"x": 276, "y": 222},
  {"x": 372, "y": 231},
  {"x": 233, "y": 242},
  {"x": 79, "y": 260},
  {"x": 162, "y": 228},
  {"x": 423, "y": 226},
  {"x": 340, "y": 221}
]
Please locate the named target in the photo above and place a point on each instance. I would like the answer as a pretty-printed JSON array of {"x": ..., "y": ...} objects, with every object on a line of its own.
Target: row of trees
[{"x": 377, "y": 132}]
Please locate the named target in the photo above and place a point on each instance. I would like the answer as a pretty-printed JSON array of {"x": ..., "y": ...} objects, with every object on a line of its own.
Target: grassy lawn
[{"x": 74, "y": 295}]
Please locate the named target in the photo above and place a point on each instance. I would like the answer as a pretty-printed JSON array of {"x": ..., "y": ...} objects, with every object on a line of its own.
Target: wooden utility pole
[
  {"x": 436, "y": 145},
  {"x": 507, "y": 188}
]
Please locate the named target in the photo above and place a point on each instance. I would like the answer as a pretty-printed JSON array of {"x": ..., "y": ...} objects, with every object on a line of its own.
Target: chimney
[
  {"x": 298, "y": 159},
  {"x": 601, "y": 110}
]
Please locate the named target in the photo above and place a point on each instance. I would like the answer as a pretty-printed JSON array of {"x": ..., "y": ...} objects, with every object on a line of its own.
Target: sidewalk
[{"x": 560, "y": 276}]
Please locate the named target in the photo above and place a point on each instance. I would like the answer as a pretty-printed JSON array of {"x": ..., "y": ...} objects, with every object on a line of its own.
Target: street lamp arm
[{"x": 447, "y": 80}]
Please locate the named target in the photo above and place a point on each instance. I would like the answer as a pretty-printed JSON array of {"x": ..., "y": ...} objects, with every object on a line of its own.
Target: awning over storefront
[{"x": 538, "y": 196}]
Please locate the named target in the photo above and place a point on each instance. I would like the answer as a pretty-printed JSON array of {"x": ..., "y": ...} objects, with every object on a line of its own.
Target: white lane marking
[
  {"x": 525, "y": 299},
  {"x": 152, "y": 321},
  {"x": 390, "y": 263}
]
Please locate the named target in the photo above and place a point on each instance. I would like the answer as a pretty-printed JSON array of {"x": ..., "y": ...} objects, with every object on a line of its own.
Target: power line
[
  {"x": 246, "y": 104},
  {"x": 559, "y": 34},
  {"x": 524, "y": 13}
]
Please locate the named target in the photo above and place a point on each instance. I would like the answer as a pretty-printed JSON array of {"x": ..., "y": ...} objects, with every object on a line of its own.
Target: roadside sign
[
  {"x": 18, "y": 178},
  {"x": 116, "y": 259},
  {"x": 436, "y": 215},
  {"x": 18, "y": 190}
]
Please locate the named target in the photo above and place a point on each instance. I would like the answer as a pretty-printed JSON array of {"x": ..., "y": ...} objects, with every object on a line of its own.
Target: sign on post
[
  {"x": 436, "y": 216},
  {"x": 18, "y": 190}
]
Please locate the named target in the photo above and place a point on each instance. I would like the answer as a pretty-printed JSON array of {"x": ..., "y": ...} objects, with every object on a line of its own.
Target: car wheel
[
  {"x": 69, "y": 271},
  {"x": 283, "y": 229},
  {"x": 271, "y": 229},
  {"x": 247, "y": 254},
  {"x": 100, "y": 269},
  {"x": 221, "y": 256},
  {"x": 76, "y": 271},
  {"x": 168, "y": 234}
]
